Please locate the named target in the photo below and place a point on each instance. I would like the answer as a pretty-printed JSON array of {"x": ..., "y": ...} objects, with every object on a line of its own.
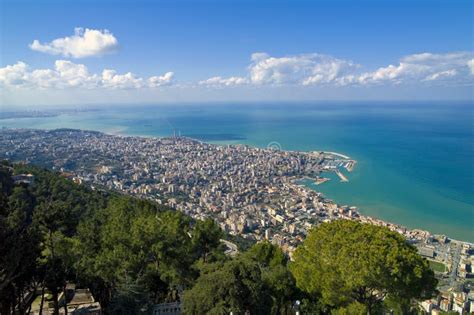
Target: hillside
[{"x": 133, "y": 254}]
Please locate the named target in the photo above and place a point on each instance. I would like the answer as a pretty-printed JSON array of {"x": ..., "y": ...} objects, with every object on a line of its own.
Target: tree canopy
[
  {"x": 54, "y": 231},
  {"x": 133, "y": 253},
  {"x": 345, "y": 262},
  {"x": 234, "y": 286},
  {"x": 257, "y": 281}
]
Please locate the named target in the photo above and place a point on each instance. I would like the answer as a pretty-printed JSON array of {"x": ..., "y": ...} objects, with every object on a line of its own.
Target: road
[
  {"x": 456, "y": 248},
  {"x": 232, "y": 249}
]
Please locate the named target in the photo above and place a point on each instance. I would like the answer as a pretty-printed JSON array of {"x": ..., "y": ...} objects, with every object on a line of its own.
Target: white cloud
[
  {"x": 259, "y": 56},
  {"x": 84, "y": 43},
  {"x": 110, "y": 79},
  {"x": 441, "y": 74},
  {"x": 450, "y": 69},
  {"x": 14, "y": 74},
  {"x": 422, "y": 67},
  {"x": 305, "y": 69},
  {"x": 393, "y": 74},
  {"x": 67, "y": 74},
  {"x": 470, "y": 64},
  {"x": 165, "y": 79},
  {"x": 438, "y": 59},
  {"x": 319, "y": 69},
  {"x": 219, "y": 81},
  {"x": 74, "y": 75}
]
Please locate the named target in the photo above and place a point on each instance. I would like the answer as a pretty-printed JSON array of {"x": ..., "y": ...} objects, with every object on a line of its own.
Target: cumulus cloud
[
  {"x": 301, "y": 69},
  {"x": 165, "y": 79},
  {"x": 422, "y": 67},
  {"x": 470, "y": 64},
  {"x": 441, "y": 74},
  {"x": 438, "y": 59},
  {"x": 13, "y": 74},
  {"x": 319, "y": 69},
  {"x": 110, "y": 79},
  {"x": 67, "y": 74},
  {"x": 306, "y": 69},
  {"x": 220, "y": 81},
  {"x": 391, "y": 73},
  {"x": 456, "y": 68},
  {"x": 84, "y": 43}
]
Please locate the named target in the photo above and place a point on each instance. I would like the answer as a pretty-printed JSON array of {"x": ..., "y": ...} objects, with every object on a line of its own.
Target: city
[
  {"x": 251, "y": 192},
  {"x": 236, "y": 157}
]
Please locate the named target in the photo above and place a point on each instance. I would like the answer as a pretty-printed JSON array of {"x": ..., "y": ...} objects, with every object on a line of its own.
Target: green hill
[{"x": 133, "y": 253}]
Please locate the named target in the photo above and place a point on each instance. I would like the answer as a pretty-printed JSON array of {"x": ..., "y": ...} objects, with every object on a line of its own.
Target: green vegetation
[
  {"x": 242, "y": 243},
  {"x": 344, "y": 262},
  {"x": 256, "y": 281},
  {"x": 133, "y": 253},
  {"x": 437, "y": 266}
]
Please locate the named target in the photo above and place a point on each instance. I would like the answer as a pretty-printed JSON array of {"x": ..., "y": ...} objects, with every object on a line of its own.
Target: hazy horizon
[{"x": 147, "y": 52}]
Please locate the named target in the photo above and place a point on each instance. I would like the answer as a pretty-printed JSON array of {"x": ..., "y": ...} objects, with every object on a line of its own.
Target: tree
[
  {"x": 354, "y": 308},
  {"x": 130, "y": 297},
  {"x": 257, "y": 281},
  {"x": 346, "y": 262},
  {"x": 51, "y": 218},
  {"x": 19, "y": 245},
  {"x": 234, "y": 286},
  {"x": 124, "y": 249},
  {"x": 132, "y": 239},
  {"x": 278, "y": 281},
  {"x": 206, "y": 237},
  {"x": 266, "y": 255},
  {"x": 35, "y": 222},
  {"x": 6, "y": 183}
]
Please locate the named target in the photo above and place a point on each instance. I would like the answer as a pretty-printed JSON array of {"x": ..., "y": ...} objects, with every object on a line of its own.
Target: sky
[{"x": 96, "y": 52}]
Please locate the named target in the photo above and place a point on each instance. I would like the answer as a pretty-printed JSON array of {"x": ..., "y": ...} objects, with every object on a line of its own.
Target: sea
[{"x": 414, "y": 159}]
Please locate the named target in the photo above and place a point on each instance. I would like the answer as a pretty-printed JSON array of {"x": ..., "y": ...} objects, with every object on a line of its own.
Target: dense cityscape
[
  {"x": 252, "y": 192},
  {"x": 236, "y": 157}
]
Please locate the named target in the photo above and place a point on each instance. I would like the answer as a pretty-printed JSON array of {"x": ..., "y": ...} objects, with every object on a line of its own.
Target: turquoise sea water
[{"x": 415, "y": 160}]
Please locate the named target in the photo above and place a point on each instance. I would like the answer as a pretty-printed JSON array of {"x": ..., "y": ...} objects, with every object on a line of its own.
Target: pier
[
  {"x": 341, "y": 176},
  {"x": 339, "y": 155},
  {"x": 350, "y": 165},
  {"x": 321, "y": 180}
]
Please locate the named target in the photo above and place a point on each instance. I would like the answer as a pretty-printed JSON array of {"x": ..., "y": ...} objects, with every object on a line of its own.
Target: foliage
[
  {"x": 257, "y": 281},
  {"x": 355, "y": 308},
  {"x": 133, "y": 253},
  {"x": 18, "y": 239},
  {"x": 206, "y": 237},
  {"x": 54, "y": 231},
  {"x": 243, "y": 244},
  {"x": 346, "y": 262},
  {"x": 130, "y": 298},
  {"x": 234, "y": 286},
  {"x": 278, "y": 280}
]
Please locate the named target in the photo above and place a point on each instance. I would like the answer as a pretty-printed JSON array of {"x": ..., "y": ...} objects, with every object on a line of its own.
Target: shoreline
[{"x": 371, "y": 218}]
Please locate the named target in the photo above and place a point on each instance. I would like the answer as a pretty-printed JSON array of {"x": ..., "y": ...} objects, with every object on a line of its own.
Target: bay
[{"x": 414, "y": 158}]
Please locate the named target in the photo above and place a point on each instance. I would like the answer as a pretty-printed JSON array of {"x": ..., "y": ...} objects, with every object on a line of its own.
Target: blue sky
[{"x": 313, "y": 50}]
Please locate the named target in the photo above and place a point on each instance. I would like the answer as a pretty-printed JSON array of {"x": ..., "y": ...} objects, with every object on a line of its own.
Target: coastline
[
  {"x": 399, "y": 177},
  {"x": 375, "y": 219},
  {"x": 394, "y": 226},
  {"x": 370, "y": 219}
]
